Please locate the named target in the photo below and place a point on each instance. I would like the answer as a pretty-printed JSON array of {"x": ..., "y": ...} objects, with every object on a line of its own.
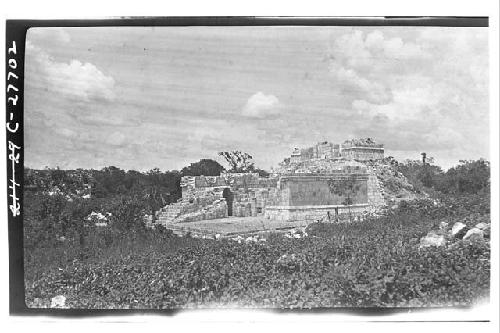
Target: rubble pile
[
  {"x": 361, "y": 142},
  {"x": 395, "y": 186},
  {"x": 319, "y": 165},
  {"x": 459, "y": 232}
]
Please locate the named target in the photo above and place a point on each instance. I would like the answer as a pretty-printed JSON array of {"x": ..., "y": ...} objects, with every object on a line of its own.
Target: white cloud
[
  {"x": 408, "y": 102},
  {"x": 77, "y": 80},
  {"x": 424, "y": 90},
  {"x": 360, "y": 51},
  {"x": 364, "y": 65},
  {"x": 352, "y": 81},
  {"x": 260, "y": 105},
  {"x": 378, "y": 45}
]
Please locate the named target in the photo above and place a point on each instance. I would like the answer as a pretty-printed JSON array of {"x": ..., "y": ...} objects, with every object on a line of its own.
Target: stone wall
[
  {"x": 251, "y": 202},
  {"x": 363, "y": 153},
  {"x": 315, "y": 213},
  {"x": 356, "y": 149},
  {"x": 311, "y": 197},
  {"x": 205, "y": 197},
  {"x": 315, "y": 189},
  {"x": 320, "y": 166},
  {"x": 307, "y": 190}
]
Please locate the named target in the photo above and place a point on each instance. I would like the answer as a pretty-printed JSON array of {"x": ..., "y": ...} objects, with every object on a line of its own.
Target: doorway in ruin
[{"x": 228, "y": 195}]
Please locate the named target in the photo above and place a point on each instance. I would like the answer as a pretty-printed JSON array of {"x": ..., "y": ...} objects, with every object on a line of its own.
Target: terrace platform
[{"x": 231, "y": 226}]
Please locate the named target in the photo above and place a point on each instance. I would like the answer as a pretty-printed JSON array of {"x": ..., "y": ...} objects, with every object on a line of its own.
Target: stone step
[
  {"x": 165, "y": 220},
  {"x": 170, "y": 213}
]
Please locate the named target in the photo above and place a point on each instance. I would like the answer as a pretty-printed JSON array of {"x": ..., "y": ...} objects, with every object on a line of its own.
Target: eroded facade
[{"x": 326, "y": 181}]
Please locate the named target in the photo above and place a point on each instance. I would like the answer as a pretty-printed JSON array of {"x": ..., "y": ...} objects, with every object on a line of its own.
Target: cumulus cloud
[
  {"x": 378, "y": 45},
  {"x": 361, "y": 51},
  {"x": 74, "y": 79},
  {"x": 407, "y": 103},
  {"x": 424, "y": 90},
  {"x": 354, "y": 82},
  {"x": 363, "y": 63},
  {"x": 260, "y": 105}
]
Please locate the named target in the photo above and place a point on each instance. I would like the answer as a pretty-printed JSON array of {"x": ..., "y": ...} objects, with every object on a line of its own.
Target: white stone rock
[
  {"x": 457, "y": 227},
  {"x": 432, "y": 239},
  {"x": 482, "y": 226},
  {"x": 474, "y": 231},
  {"x": 58, "y": 302}
]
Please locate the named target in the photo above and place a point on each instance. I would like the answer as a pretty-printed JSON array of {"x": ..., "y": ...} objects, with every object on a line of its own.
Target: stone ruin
[
  {"x": 355, "y": 149},
  {"x": 324, "y": 181},
  {"x": 214, "y": 197}
]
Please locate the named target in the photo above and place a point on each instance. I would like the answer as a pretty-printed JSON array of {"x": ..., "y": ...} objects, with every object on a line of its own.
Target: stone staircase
[
  {"x": 376, "y": 192},
  {"x": 193, "y": 209},
  {"x": 167, "y": 214}
]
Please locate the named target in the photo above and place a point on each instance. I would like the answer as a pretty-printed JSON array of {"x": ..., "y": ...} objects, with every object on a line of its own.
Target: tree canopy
[{"x": 204, "y": 167}]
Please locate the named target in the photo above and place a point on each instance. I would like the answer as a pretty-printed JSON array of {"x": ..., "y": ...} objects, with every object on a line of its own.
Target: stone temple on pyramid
[{"x": 326, "y": 179}]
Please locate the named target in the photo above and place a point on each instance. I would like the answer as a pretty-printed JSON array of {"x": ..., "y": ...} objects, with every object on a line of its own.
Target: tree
[
  {"x": 467, "y": 177},
  {"x": 420, "y": 175},
  {"x": 204, "y": 167},
  {"x": 153, "y": 193},
  {"x": 108, "y": 181},
  {"x": 346, "y": 187},
  {"x": 238, "y": 161}
]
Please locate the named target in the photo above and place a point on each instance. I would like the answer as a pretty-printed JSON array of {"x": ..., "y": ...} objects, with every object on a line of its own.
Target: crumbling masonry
[{"x": 324, "y": 181}]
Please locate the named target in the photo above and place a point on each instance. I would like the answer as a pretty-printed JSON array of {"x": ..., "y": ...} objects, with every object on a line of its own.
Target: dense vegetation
[
  {"x": 467, "y": 177},
  {"x": 377, "y": 262}
]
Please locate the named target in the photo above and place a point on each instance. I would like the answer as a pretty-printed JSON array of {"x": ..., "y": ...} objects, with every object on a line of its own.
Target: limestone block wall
[
  {"x": 251, "y": 202},
  {"x": 304, "y": 195},
  {"x": 203, "y": 197},
  {"x": 307, "y": 190},
  {"x": 363, "y": 153},
  {"x": 320, "y": 166},
  {"x": 191, "y": 185},
  {"x": 309, "y": 197},
  {"x": 315, "y": 213}
]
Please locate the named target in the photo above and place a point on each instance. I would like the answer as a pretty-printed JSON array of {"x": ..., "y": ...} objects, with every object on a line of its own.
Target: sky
[{"x": 145, "y": 97}]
